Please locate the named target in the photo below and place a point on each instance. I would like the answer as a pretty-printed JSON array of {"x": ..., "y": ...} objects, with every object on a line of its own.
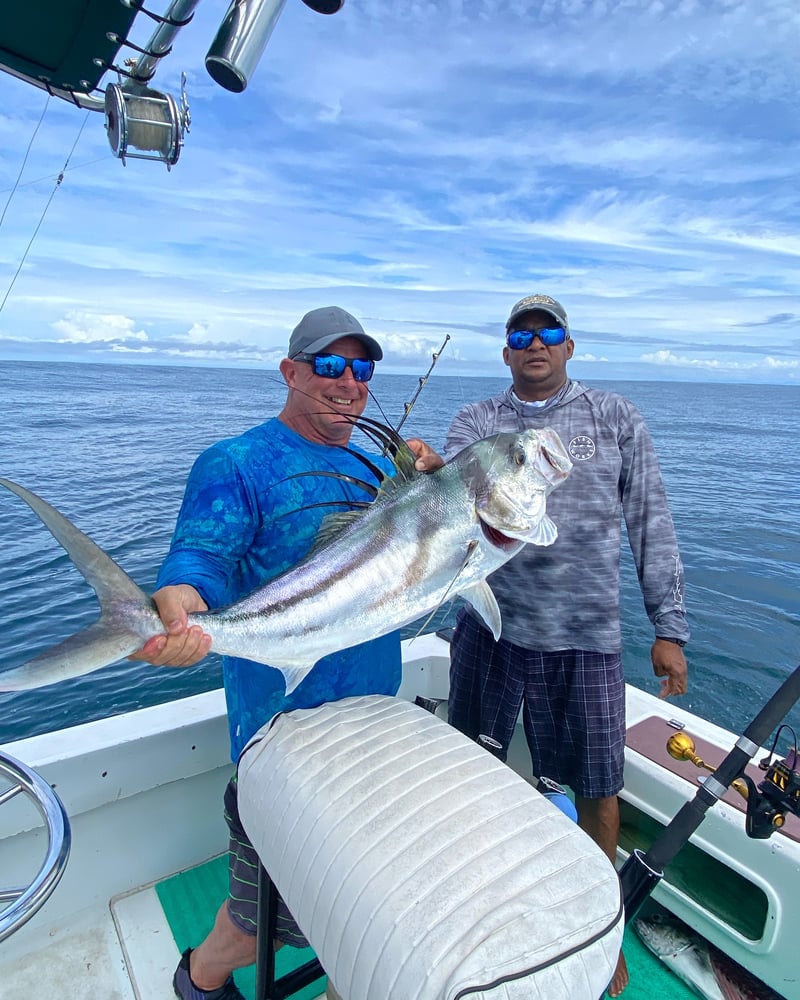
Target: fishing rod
[
  {"x": 777, "y": 794},
  {"x": 409, "y": 406}
]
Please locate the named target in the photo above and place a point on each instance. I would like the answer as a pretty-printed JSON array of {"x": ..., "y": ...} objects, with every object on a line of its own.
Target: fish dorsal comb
[
  {"x": 401, "y": 457},
  {"x": 393, "y": 447},
  {"x": 334, "y": 525}
]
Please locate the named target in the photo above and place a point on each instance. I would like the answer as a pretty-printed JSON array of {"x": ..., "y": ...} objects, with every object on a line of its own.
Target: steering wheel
[{"x": 23, "y": 903}]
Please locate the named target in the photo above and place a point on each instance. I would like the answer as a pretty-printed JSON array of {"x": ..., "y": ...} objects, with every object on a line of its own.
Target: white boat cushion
[{"x": 419, "y": 866}]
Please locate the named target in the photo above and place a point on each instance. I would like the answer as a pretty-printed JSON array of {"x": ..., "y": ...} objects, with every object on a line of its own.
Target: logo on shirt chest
[{"x": 581, "y": 448}]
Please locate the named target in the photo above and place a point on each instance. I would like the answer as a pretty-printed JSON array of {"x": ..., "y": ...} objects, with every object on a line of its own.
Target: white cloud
[
  {"x": 765, "y": 363},
  {"x": 587, "y": 356},
  {"x": 424, "y": 165},
  {"x": 92, "y": 328}
]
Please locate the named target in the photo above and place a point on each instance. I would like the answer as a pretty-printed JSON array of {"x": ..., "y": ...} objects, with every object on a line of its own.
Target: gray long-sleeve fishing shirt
[{"x": 567, "y": 595}]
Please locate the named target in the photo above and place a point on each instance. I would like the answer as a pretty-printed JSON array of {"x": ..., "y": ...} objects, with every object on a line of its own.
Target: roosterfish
[
  {"x": 707, "y": 970},
  {"x": 424, "y": 539}
]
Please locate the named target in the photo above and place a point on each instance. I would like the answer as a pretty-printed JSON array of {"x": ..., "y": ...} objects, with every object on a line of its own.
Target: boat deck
[
  {"x": 143, "y": 793},
  {"x": 128, "y": 950}
]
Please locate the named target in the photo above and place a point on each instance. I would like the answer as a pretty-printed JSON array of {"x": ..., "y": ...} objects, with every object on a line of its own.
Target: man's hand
[
  {"x": 427, "y": 460},
  {"x": 181, "y": 646},
  {"x": 669, "y": 662}
]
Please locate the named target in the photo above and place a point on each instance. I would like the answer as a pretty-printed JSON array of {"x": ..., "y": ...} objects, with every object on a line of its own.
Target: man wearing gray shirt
[{"x": 559, "y": 655}]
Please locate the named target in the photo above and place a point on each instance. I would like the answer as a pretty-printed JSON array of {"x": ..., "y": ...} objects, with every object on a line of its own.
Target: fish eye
[{"x": 518, "y": 457}]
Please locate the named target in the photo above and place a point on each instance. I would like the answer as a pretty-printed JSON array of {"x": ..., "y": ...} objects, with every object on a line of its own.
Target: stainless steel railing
[{"x": 24, "y": 901}]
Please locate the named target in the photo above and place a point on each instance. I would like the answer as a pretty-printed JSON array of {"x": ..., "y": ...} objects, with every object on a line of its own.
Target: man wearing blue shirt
[{"x": 243, "y": 521}]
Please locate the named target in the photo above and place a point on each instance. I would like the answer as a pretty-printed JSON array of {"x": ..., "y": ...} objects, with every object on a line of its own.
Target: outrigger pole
[{"x": 642, "y": 872}]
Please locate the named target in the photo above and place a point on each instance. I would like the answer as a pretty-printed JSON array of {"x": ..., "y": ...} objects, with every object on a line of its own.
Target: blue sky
[{"x": 425, "y": 164}]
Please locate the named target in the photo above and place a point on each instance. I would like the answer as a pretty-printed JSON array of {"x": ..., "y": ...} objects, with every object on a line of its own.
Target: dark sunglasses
[
  {"x": 518, "y": 340},
  {"x": 334, "y": 365}
]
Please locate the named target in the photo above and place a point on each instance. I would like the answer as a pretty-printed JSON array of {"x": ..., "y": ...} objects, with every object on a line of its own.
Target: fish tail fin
[
  {"x": 91, "y": 648},
  {"x": 106, "y": 578},
  {"x": 127, "y": 615}
]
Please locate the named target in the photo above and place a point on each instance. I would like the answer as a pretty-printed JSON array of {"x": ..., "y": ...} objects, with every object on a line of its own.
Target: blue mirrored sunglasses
[
  {"x": 518, "y": 340},
  {"x": 334, "y": 365}
]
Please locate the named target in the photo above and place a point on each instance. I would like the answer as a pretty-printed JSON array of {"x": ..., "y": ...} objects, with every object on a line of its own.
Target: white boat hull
[{"x": 143, "y": 792}]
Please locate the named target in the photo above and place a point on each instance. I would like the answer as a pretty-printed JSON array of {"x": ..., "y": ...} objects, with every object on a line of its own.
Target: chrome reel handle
[{"x": 23, "y": 903}]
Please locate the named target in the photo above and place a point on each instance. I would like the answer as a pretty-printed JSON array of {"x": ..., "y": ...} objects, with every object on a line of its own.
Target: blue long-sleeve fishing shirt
[
  {"x": 567, "y": 595},
  {"x": 239, "y": 526}
]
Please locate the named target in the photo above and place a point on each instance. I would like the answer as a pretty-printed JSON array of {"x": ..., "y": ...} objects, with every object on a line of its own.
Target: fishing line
[
  {"x": 59, "y": 179},
  {"x": 445, "y": 599},
  {"x": 24, "y": 160},
  {"x": 381, "y": 410},
  {"x": 47, "y": 177}
]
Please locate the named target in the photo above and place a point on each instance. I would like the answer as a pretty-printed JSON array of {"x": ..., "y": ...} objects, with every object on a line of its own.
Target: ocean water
[{"x": 110, "y": 446}]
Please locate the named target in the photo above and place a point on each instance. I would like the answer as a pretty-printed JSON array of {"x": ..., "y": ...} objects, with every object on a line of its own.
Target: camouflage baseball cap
[{"x": 543, "y": 302}]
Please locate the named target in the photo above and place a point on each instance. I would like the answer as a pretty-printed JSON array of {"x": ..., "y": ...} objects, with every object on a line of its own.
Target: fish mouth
[{"x": 496, "y": 537}]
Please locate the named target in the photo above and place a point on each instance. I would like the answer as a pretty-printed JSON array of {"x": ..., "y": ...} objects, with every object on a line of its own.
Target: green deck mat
[
  {"x": 650, "y": 978},
  {"x": 190, "y": 901}
]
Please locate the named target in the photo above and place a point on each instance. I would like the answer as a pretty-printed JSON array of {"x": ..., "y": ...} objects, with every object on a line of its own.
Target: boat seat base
[{"x": 419, "y": 866}]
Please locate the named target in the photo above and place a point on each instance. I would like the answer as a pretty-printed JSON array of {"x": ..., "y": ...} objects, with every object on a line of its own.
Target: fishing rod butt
[
  {"x": 642, "y": 872},
  {"x": 637, "y": 880}
]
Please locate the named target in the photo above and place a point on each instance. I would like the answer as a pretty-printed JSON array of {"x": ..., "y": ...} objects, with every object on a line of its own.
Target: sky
[{"x": 425, "y": 164}]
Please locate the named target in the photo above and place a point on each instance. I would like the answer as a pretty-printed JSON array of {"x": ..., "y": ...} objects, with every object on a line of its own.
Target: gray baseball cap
[
  {"x": 319, "y": 328},
  {"x": 543, "y": 302}
]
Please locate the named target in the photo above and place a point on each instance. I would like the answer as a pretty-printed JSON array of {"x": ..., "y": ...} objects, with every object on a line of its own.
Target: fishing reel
[
  {"x": 777, "y": 795},
  {"x": 148, "y": 121},
  {"x": 770, "y": 800}
]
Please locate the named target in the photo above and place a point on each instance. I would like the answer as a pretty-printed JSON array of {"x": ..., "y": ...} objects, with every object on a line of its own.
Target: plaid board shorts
[
  {"x": 573, "y": 706},
  {"x": 243, "y": 879}
]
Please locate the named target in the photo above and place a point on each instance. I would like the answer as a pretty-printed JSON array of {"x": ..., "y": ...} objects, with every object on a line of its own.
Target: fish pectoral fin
[
  {"x": 546, "y": 533},
  {"x": 481, "y": 598},
  {"x": 294, "y": 675}
]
